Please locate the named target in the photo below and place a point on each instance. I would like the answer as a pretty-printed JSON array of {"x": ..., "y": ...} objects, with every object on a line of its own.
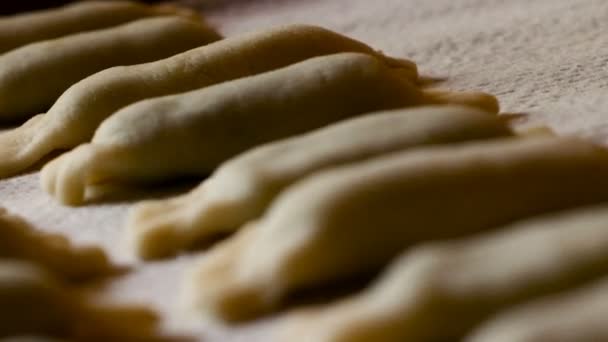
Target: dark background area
[{"x": 11, "y": 7}]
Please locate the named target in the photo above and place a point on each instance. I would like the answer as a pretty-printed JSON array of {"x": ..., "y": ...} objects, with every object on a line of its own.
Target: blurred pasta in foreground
[{"x": 323, "y": 163}]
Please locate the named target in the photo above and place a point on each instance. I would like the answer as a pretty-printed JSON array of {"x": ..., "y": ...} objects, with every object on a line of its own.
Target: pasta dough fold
[
  {"x": 22, "y": 29},
  {"x": 242, "y": 188},
  {"x": 40, "y": 289},
  {"x": 33, "y": 301},
  {"x": 462, "y": 283},
  {"x": 34, "y": 76},
  {"x": 352, "y": 220},
  {"x": 194, "y": 132},
  {"x": 574, "y": 316},
  {"x": 75, "y": 116},
  {"x": 19, "y": 240}
]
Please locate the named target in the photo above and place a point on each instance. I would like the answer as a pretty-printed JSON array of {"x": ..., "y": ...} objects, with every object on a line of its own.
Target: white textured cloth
[{"x": 548, "y": 58}]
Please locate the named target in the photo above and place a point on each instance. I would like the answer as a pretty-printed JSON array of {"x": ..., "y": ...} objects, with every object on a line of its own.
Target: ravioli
[
  {"x": 352, "y": 220},
  {"x": 243, "y": 187}
]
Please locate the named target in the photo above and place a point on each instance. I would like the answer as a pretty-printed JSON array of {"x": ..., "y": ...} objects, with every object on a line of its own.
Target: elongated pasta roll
[
  {"x": 34, "y": 76},
  {"x": 21, "y": 241},
  {"x": 578, "y": 315},
  {"x": 33, "y": 301},
  {"x": 352, "y": 220},
  {"x": 194, "y": 132},
  {"x": 75, "y": 116},
  {"x": 242, "y": 188},
  {"x": 462, "y": 283},
  {"x": 22, "y": 29}
]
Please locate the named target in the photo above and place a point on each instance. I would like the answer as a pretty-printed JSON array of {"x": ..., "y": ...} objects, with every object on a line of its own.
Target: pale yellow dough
[
  {"x": 40, "y": 275},
  {"x": 192, "y": 133},
  {"x": 54, "y": 252},
  {"x": 575, "y": 316},
  {"x": 22, "y": 29},
  {"x": 34, "y": 76},
  {"x": 24, "y": 287},
  {"x": 75, "y": 116},
  {"x": 463, "y": 282},
  {"x": 33, "y": 301},
  {"x": 352, "y": 220},
  {"x": 242, "y": 188}
]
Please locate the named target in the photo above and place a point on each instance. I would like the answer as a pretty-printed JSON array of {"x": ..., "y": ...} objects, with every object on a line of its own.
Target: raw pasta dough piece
[
  {"x": 33, "y": 301},
  {"x": 192, "y": 133},
  {"x": 438, "y": 292},
  {"x": 352, "y": 220},
  {"x": 34, "y": 76},
  {"x": 24, "y": 287},
  {"x": 242, "y": 188},
  {"x": 75, "y": 116},
  {"x": 19, "y": 240},
  {"x": 22, "y": 29},
  {"x": 574, "y": 316}
]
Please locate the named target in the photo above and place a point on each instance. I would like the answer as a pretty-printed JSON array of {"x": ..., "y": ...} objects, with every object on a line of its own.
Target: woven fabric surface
[{"x": 545, "y": 58}]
